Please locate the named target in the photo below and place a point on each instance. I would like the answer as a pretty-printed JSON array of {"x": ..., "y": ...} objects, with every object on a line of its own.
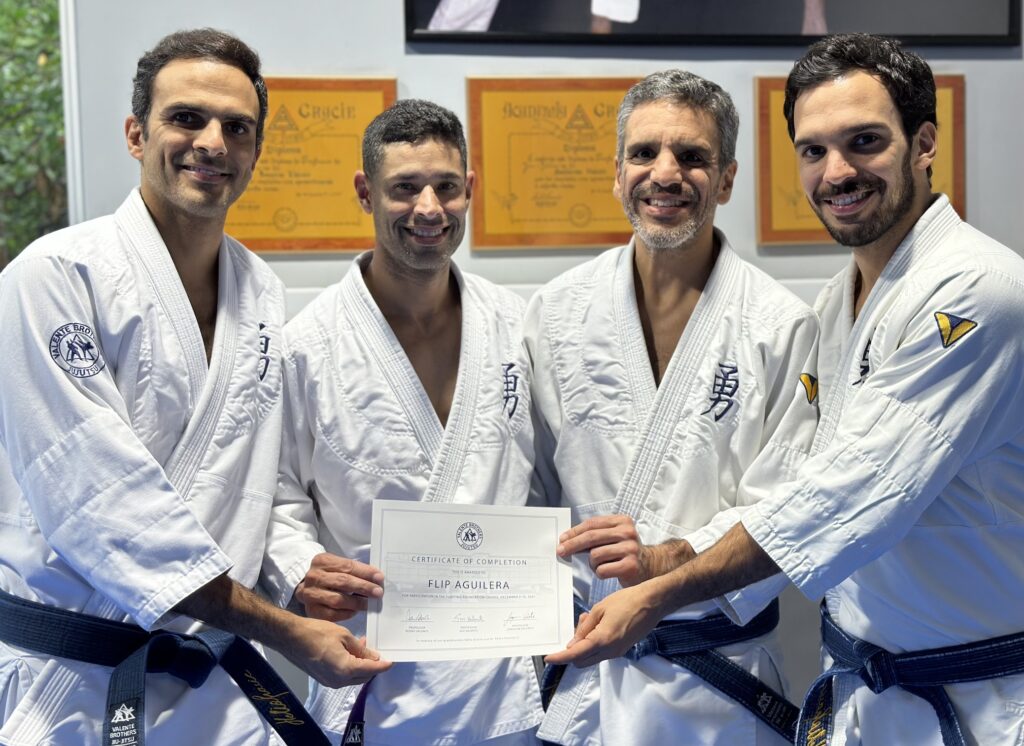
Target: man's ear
[
  {"x": 470, "y": 183},
  {"x": 362, "y": 185},
  {"x": 134, "y": 136},
  {"x": 617, "y": 186},
  {"x": 926, "y": 141},
  {"x": 725, "y": 188}
]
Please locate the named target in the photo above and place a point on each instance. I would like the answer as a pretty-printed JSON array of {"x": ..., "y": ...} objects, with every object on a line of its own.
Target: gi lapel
[
  {"x": 660, "y": 417},
  {"x": 444, "y": 479},
  {"x": 878, "y": 302},
  {"x": 444, "y": 447},
  {"x": 187, "y": 457}
]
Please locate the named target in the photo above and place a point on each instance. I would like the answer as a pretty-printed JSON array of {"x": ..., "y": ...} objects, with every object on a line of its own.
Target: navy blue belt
[
  {"x": 356, "y": 725},
  {"x": 691, "y": 644},
  {"x": 923, "y": 673},
  {"x": 132, "y": 652}
]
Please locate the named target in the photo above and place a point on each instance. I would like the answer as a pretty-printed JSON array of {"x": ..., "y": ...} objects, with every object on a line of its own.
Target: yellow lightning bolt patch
[
  {"x": 810, "y": 386},
  {"x": 953, "y": 328}
]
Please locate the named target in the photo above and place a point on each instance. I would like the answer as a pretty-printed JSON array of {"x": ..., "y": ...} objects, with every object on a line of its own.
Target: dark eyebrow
[
  {"x": 656, "y": 145},
  {"x": 229, "y": 117},
  {"x": 848, "y": 132},
  {"x": 415, "y": 175},
  {"x": 637, "y": 144}
]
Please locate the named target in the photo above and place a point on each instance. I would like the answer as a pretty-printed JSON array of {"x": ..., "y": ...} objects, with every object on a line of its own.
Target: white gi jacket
[
  {"x": 131, "y": 472},
  {"x": 730, "y": 420},
  {"x": 911, "y": 508},
  {"x": 361, "y": 427}
]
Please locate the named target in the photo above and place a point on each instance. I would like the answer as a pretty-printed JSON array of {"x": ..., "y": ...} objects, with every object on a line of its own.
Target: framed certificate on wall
[
  {"x": 301, "y": 197},
  {"x": 544, "y": 154}
]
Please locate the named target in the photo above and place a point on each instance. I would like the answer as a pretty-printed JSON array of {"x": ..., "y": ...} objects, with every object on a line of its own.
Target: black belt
[
  {"x": 691, "y": 644},
  {"x": 922, "y": 673},
  {"x": 132, "y": 653}
]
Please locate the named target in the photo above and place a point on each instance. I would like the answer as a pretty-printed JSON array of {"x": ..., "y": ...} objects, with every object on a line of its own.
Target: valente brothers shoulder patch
[
  {"x": 73, "y": 348},
  {"x": 953, "y": 328}
]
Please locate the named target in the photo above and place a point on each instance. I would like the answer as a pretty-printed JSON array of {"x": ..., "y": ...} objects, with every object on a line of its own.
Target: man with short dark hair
[
  {"x": 406, "y": 380},
  {"x": 908, "y": 516},
  {"x": 140, "y": 426},
  {"x": 673, "y": 384}
]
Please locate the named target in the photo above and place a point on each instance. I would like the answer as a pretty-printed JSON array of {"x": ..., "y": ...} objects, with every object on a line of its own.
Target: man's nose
[{"x": 210, "y": 139}]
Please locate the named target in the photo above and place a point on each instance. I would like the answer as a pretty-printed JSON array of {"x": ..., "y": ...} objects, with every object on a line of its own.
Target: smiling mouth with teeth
[
  {"x": 427, "y": 232},
  {"x": 845, "y": 200},
  {"x": 204, "y": 171}
]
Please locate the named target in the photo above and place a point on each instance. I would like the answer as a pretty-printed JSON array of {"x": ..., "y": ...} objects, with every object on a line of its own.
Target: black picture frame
[{"x": 733, "y": 22}]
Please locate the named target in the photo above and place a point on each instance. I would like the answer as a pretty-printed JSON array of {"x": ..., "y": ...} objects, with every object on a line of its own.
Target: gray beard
[
  {"x": 668, "y": 238},
  {"x": 663, "y": 239}
]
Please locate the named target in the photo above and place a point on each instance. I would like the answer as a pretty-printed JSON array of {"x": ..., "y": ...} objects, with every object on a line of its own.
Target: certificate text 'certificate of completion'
[{"x": 468, "y": 581}]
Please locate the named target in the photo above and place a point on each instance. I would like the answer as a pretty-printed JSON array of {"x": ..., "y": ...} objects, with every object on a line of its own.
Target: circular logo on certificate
[
  {"x": 73, "y": 348},
  {"x": 579, "y": 215},
  {"x": 469, "y": 536},
  {"x": 285, "y": 219}
]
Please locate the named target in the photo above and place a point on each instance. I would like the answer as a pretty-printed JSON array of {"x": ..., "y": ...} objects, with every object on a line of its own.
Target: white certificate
[{"x": 468, "y": 581}]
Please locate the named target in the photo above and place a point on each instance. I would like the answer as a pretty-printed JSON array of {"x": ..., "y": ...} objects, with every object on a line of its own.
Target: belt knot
[{"x": 879, "y": 670}]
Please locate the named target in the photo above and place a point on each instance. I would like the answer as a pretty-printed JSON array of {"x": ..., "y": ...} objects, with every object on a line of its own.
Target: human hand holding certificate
[{"x": 468, "y": 581}]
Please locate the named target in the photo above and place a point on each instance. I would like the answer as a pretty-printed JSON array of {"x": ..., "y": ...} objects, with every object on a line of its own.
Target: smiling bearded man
[{"x": 673, "y": 385}]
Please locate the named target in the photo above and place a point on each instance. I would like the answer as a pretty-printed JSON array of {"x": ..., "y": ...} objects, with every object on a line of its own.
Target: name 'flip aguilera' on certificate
[{"x": 468, "y": 581}]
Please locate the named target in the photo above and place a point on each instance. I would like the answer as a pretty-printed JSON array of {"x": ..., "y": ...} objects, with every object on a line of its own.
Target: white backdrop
[{"x": 102, "y": 40}]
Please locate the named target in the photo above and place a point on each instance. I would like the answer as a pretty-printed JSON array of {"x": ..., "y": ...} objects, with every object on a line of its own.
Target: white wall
[{"x": 104, "y": 38}]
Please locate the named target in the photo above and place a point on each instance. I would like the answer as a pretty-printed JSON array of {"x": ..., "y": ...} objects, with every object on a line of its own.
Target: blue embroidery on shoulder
[{"x": 73, "y": 348}]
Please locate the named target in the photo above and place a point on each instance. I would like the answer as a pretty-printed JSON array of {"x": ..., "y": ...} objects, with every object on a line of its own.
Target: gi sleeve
[
  {"x": 950, "y": 391},
  {"x": 100, "y": 499},
  {"x": 292, "y": 533}
]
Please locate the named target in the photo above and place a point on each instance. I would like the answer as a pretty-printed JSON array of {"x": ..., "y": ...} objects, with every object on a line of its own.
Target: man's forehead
[
  {"x": 190, "y": 77},
  {"x": 430, "y": 156},
  {"x": 855, "y": 94},
  {"x": 655, "y": 118}
]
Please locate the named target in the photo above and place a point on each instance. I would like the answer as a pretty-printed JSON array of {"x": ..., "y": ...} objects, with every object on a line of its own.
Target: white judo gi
[
  {"x": 361, "y": 427},
  {"x": 730, "y": 420},
  {"x": 131, "y": 472},
  {"x": 911, "y": 507}
]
